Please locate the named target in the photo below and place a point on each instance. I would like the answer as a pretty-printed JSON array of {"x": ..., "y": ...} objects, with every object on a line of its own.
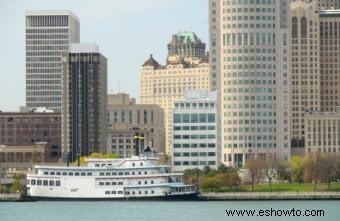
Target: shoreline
[
  {"x": 234, "y": 196},
  {"x": 211, "y": 196}
]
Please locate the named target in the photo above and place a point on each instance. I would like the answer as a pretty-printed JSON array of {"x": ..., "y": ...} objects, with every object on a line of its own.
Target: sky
[{"x": 126, "y": 31}]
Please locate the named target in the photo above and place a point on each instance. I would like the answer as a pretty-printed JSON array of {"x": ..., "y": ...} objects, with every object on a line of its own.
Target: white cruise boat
[{"x": 108, "y": 179}]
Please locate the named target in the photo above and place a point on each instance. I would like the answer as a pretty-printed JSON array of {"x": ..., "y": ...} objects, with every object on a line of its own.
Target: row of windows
[
  {"x": 246, "y": 10},
  {"x": 34, "y": 182},
  {"x": 194, "y": 154},
  {"x": 121, "y": 183},
  {"x": 250, "y": 50},
  {"x": 249, "y": 58},
  {"x": 251, "y": 145},
  {"x": 247, "y": 26},
  {"x": 250, "y": 66},
  {"x": 127, "y": 192},
  {"x": 40, "y": 31},
  {"x": 194, "y": 163},
  {"x": 194, "y": 118},
  {"x": 195, "y": 136},
  {"x": 243, "y": 2},
  {"x": 250, "y": 90},
  {"x": 53, "y": 36},
  {"x": 68, "y": 173},
  {"x": 195, "y": 105},
  {"x": 194, "y": 145},
  {"x": 176, "y": 128},
  {"x": 251, "y": 18},
  {"x": 250, "y": 106}
]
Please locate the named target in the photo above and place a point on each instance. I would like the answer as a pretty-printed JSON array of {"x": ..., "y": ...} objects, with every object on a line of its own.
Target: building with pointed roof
[{"x": 187, "y": 68}]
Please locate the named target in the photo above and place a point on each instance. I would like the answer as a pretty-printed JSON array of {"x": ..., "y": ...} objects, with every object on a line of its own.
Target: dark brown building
[{"x": 28, "y": 128}]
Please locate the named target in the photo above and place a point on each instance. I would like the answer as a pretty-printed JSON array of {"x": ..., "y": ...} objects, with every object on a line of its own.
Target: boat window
[
  {"x": 145, "y": 172},
  {"x": 120, "y": 173},
  {"x": 96, "y": 165},
  {"x": 70, "y": 174},
  {"x": 101, "y": 183},
  {"x": 146, "y": 192},
  {"x": 83, "y": 174},
  {"x": 103, "y": 164},
  {"x": 114, "y": 192},
  {"x": 127, "y": 173},
  {"x": 141, "y": 164},
  {"x": 145, "y": 182},
  {"x": 76, "y": 174},
  {"x": 133, "y": 192},
  {"x": 52, "y": 173},
  {"x": 58, "y": 173},
  {"x": 101, "y": 174},
  {"x": 64, "y": 174},
  {"x": 114, "y": 183},
  {"x": 107, "y": 183},
  {"x": 45, "y": 182},
  {"x": 139, "y": 192},
  {"x": 133, "y": 173},
  {"x": 120, "y": 183},
  {"x": 127, "y": 193},
  {"x": 45, "y": 173},
  {"x": 109, "y": 164},
  {"x": 51, "y": 183},
  {"x": 139, "y": 182},
  {"x": 39, "y": 182},
  {"x": 120, "y": 192},
  {"x": 139, "y": 173},
  {"x": 152, "y": 182},
  {"x": 107, "y": 192},
  {"x": 57, "y": 183},
  {"x": 114, "y": 174},
  {"x": 108, "y": 174},
  {"x": 32, "y": 182},
  {"x": 89, "y": 174},
  {"x": 152, "y": 191},
  {"x": 133, "y": 164}
]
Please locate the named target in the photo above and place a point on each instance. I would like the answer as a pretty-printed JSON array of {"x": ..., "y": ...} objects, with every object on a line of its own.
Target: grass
[{"x": 281, "y": 187}]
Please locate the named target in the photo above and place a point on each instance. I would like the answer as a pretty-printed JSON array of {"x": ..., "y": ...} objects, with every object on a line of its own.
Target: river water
[{"x": 164, "y": 211}]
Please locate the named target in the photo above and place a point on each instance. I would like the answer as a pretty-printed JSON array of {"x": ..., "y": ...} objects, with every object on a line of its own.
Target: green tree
[
  {"x": 283, "y": 171},
  {"x": 296, "y": 163},
  {"x": 16, "y": 186},
  {"x": 222, "y": 168}
]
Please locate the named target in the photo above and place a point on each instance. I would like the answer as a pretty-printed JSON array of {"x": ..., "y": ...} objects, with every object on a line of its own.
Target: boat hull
[{"x": 178, "y": 197}]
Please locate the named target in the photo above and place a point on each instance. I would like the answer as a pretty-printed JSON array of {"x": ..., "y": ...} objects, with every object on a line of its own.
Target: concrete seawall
[
  {"x": 10, "y": 197},
  {"x": 271, "y": 196}
]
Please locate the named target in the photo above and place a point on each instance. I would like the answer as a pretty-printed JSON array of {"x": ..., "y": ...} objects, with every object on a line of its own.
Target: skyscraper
[
  {"x": 315, "y": 65},
  {"x": 84, "y": 120},
  {"x": 252, "y": 78},
  {"x": 48, "y": 35}
]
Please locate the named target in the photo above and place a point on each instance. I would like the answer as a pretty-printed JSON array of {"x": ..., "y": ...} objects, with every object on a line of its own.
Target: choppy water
[{"x": 163, "y": 211}]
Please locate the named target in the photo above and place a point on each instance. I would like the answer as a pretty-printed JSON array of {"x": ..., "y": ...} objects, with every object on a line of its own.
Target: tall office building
[
  {"x": 84, "y": 77},
  {"x": 315, "y": 62},
  {"x": 48, "y": 35},
  {"x": 305, "y": 66},
  {"x": 162, "y": 85},
  {"x": 252, "y": 81}
]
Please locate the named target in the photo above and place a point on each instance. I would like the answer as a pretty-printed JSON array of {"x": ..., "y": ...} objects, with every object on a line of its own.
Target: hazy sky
[{"x": 127, "y": 32}]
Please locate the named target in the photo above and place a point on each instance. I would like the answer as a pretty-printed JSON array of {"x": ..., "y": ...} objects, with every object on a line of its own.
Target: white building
[
  {"x": 48, "y": 34},
  {"x": 251, "y": 59},
  {"x": 196, "y": 137}
]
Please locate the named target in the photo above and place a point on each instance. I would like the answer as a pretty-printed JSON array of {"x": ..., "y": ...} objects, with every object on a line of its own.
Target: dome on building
[{"x": 186, "y": 37}]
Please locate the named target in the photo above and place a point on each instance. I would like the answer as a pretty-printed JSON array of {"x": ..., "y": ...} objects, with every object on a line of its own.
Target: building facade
[
  {"x": 84, "y": 101},
  {"x": 315, "y": 65},
  {"x": 322, "y": 131},
  {"x": 196, "y": 137},
  {"x": 28, "y": 128},
  {"x": 131, "y": 126},
  {"x": 328, "y": 4},
  {"x": 252, "y": 78},
  {"x": 48, "y": 35}
]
